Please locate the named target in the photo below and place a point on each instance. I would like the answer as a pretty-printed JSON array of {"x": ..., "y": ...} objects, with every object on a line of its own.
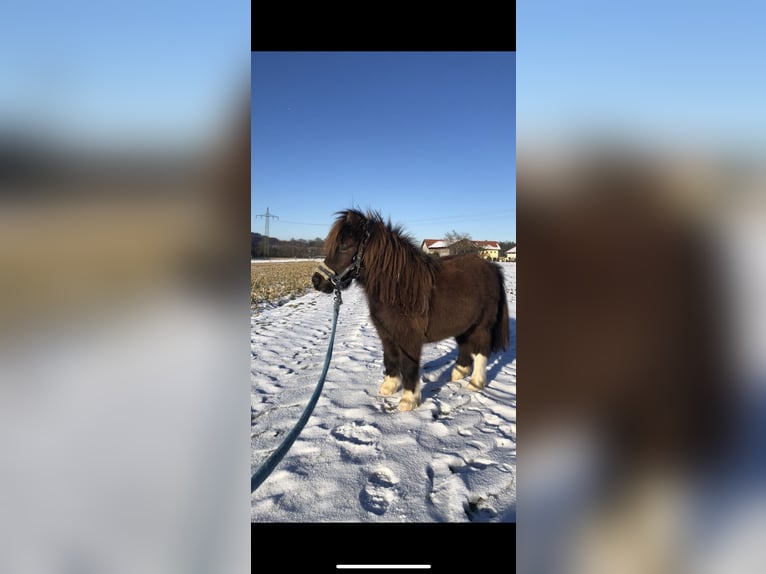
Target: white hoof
[
  {"x": 476, "y": 385},
  {"x": 479, "y": 376},
  {"x": 409, "y": 401},
  {"x": 390, "y": 385},
  {"x": 459, "y": 372}
]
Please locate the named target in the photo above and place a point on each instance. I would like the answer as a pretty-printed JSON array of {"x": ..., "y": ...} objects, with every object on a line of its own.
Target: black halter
[{"x": 351, "y": 271}]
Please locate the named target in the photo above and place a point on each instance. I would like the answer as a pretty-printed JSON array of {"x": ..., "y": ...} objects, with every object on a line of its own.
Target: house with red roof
[
  {"x": 487, "y": 249},
  {"x": 438, "y": 246}
]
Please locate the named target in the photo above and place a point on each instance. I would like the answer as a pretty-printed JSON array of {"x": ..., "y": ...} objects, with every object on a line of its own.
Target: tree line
[
  {"x": 311, "y": 248},
  {"x": 291, "y": 249}
]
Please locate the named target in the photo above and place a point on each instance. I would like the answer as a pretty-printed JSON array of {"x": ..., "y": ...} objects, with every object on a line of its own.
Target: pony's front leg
[
  {"x": 410, "y": 381},
  {"x": 393, "y": 378}
]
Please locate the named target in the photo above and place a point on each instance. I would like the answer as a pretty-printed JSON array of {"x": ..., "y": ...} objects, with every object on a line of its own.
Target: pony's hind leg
[
  {"x": 478, "y": 346},
  {"x": 463, "y": 363},
  {"x": 479, "y": 376}
]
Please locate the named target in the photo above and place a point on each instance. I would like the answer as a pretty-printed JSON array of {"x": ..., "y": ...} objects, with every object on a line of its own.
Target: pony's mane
[{"x": 396, "y": 271}]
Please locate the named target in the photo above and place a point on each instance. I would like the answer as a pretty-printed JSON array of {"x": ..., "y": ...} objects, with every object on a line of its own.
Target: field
[
  {"x": 453, "y": 459},
  {"x": 276, "y": 282}
]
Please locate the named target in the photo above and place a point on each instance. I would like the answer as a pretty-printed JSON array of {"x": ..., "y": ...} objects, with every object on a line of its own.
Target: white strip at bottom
[{"x": 383, "y": 566}]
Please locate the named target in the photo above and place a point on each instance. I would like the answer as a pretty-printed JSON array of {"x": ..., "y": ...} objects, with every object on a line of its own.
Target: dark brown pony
[{"x": 415, "y": 299}]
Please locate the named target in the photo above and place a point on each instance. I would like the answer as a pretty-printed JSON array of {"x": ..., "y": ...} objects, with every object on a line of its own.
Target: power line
[
  {"x": 304, "y": 223},
  {"x": 446, "y": 218},
  {"x": 464, "y": 217}
]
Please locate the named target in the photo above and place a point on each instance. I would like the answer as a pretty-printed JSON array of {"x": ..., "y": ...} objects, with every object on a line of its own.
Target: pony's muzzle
[{"x": 321, "y": 279}]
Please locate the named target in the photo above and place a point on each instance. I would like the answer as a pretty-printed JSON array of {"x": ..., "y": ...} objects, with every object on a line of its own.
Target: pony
[{"x": 415, "y": 299}]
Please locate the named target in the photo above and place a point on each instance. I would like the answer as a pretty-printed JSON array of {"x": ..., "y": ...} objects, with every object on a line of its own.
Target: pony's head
[{"x": 345, "y": 246}]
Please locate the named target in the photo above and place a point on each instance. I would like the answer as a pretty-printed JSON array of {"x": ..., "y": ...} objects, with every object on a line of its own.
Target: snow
[{"x": 453, "y": 459}]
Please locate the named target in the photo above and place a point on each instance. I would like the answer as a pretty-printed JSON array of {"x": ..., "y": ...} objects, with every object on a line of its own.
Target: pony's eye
[{"x": 344, "y": 248}]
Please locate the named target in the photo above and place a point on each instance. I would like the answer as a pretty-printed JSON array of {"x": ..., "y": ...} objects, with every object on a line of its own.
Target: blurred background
[
  {"x": 642, "y": 338},
  {"x": 124, "y": 286},
  {"x": 124, "y": 181}
]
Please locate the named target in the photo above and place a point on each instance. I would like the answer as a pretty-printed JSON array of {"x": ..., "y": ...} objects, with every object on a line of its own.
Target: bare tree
[
  {"x": 460, "y": 243},
  {"x": 453, "y": 237},
  {"x": 463, "y": 246}
]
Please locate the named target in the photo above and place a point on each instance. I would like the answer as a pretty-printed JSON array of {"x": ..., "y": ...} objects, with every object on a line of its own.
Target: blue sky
[
  {"x": 426, "y": 138},
  {"x": 112, "y": 71},
  {"x": 688, "y": 73}
]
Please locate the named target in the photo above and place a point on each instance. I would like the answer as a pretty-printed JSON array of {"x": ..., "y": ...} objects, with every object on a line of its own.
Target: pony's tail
[{"x": 500, "y": 341}]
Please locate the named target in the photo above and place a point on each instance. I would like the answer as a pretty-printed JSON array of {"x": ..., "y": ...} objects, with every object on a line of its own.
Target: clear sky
[
  {"x": 426, "y": 138},
  {"x": 112, "y": 71},
  {"x": 689, "y": 73}
]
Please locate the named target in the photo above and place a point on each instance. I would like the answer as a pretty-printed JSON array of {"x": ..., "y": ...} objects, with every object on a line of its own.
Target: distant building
[
  {"x": 438, "y": 246},
  {"x": 486, "y": 249},
  {"x": 510, "y": 255}
]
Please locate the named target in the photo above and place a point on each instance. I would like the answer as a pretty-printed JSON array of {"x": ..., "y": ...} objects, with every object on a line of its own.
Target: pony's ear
[{"x": 354, "y": 217}]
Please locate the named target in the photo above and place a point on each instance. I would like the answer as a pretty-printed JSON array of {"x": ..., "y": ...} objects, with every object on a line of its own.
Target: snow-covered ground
[{"x": 358, "y": 459}]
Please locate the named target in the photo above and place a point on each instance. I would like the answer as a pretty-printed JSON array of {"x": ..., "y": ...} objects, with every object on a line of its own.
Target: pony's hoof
[
  {"x": 476, "y": 386},
  {"x": 409, "y": 401},
  {"x": 460, "y": 372},
  {"x": 390, "y": 386}
]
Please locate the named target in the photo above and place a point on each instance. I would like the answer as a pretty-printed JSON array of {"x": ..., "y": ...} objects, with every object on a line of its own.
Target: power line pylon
[{"x": 267, "y": 216}]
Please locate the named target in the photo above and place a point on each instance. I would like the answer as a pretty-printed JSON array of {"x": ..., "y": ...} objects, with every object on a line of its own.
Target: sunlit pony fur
[{"x": 415, "y": 299}]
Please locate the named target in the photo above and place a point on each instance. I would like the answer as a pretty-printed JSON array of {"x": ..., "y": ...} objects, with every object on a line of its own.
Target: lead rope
[{"x": 274, "y": 459}]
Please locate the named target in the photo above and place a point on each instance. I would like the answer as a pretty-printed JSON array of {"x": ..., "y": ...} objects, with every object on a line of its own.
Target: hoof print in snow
[
  {"x": 479, "y": 510},
  {"x": 379, "y": 492},
  {"x": 389, "y": 405},
  {"x": 357, "y": 441}
]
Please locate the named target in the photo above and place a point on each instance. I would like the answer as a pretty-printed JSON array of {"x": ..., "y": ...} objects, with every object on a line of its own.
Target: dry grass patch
[{"x": 277, "y": 282}]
